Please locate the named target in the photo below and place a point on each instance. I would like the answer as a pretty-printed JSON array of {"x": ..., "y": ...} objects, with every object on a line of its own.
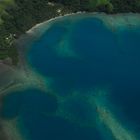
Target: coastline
[
  {"x": 39, "y": 25},
  {"x": 32, "y": 16},
  {"x": 112, "y": 21},
  {"x": 23, "y": 43},
  {"x": 108, "y": 19}
]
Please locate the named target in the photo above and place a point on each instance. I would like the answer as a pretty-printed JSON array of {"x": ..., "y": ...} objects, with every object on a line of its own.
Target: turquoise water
[
  {"x": 81, "y": 57},
  {"x": 35, "y": 110},
  {"x": 83, "y": 71},
  {"x": 33, "y": 101}
]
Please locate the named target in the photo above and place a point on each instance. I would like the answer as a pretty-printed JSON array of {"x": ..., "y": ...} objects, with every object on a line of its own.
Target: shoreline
[
  {"x": 100, "y": 15},
  {"x": 112, "y": 21},
  {"x": 36, "y": 31},
  {"x": 33, "y": 34},
  {"x": 30, "y": 31}
]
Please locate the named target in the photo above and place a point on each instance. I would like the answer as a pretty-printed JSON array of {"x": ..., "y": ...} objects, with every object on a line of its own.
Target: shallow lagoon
[{"x": 95, "y": 88}]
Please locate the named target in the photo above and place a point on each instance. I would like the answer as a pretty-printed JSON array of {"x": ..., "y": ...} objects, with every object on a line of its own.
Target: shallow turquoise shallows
[{"x": 81, "y": 57}]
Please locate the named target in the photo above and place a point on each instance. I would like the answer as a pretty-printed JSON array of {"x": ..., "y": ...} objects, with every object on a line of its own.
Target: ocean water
[
  {"x": 96, "y": 76},
  {"x": 35, "y": 110}
]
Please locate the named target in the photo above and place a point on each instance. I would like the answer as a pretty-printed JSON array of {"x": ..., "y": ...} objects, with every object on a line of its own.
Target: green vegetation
[
  {"x": 17, "y": 16},
  {"x": 126, "y": 5},
  {"x": 3, "y": 5},
  {"x": 110, "y": 6}
]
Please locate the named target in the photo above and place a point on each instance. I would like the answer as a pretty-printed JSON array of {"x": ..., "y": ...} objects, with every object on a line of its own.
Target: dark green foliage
[
  {"x": 107, "y": 8},
  {"x": 126, "y": 5}
]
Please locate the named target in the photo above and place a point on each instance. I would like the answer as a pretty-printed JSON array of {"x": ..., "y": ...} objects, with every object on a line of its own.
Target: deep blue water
[
  {"x": 104, "y": 58},
  {"x": 35, "y": 111},
  {"x": 33, "y": 101}
]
